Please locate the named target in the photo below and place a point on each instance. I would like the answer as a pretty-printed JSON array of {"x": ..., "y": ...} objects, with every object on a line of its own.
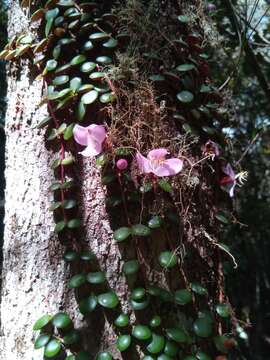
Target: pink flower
[
  {"x": 157, "y": 163},
  {"x": 211, "y": 148},
  {"x": 122, "y": 164},
  {"x": 91, "y": 136},
  {"x": 228, "y": 182}
]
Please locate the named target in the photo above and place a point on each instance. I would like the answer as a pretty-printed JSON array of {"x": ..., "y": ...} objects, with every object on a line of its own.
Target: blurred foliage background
[{"x": 240, "y": 62}]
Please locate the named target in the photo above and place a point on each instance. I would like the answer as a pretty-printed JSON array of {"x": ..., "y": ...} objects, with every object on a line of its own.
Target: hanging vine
[{"x": 129, "y": 83}]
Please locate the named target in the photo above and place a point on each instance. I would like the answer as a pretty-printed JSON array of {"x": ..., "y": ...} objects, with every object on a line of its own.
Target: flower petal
[
  {"x": 81, "y": 134},
  {"x": 93, "y": 148},
  {"x": 229, "y": 188},
  {"x": 169, "y": 167},
  {"x": 143, "y": 163},
  {"x": 97, "y": 132},
  {"x": 157, "y": 154},
  {"x": 228, "y": 170}
]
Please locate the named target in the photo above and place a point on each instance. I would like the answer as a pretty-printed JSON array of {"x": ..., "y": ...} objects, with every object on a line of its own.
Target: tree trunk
[
  {"x": 34, "y": 273},
  {"x": 143, "y": 118}
]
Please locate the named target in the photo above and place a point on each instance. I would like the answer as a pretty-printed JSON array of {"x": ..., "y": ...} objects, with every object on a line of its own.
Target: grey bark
[{"x": 34, "y": 274}]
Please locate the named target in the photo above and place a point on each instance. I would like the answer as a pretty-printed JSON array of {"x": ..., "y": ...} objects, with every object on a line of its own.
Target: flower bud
[{"x": 121, "y": 164}]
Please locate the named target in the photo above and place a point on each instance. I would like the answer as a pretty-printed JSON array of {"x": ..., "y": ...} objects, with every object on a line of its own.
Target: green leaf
[
  {"x": 48, "y": 26},
  {"x": 52, "y": 348},
  {"x": 202, "y": 356},
  {"x": 171, "y": 348},
  {"x": 111, "y": 43},
  {"x": 68, "y": 184},
  {"x": 42, "y": 322},
  {"x": 97, "y": 76},
  {"x": 96, "y": 277},
  {"x": 123, "y": 342},
  {"x": 140, "y": 305},
  {"x": 167, "y": 259},
  {"x": 184, "y": 19},
  {"x": 88, "y": 67},
  {"x": 68, "y": 134},
  {"x": 55, "y": 186},
  {"x": 155, "y": 222},
  {"x": 88, "y": 304},
  {"x": 223, "y": 310},
  {"x": 75, "y": 83},
  {"x": 99, "y": 36},
  {"x": 107, "y": 98},
  {"x": 87, "y": 255},
  {"x": 69, "y": 204},
  {"x": 43, "y": 123},
  {"x": 199, "y": 289},
  {"x": 68, "y": 160},
  {"x": 55, "y": 206},
  {"x": 88, "y": 45},
  {"x": 122, "y": 321},
  {"x": 185, "y": 67},
  {"x": 222, "y": 218},
  {"x": 74, "y": 223},
  {"x": 108, "y": 178},
  {"x": 182, "y": 297},
  {"x": 71, "y": 255},
  {"x": 71, "y": 337},
  {"x": 41, "y": 341},
  {"x": 59, "y": 226},
  {"x": 89, "y": 97},
  {"x": 202, "y": 327},
  {"x": 80, "y": 111},
  {"x": 108, "y": 300},
  {"x": 51, "y": 65},
  {"x": 83, "y": 355},
  {"x": 55, "y": 164},
  {"x": 140, "y": 230},
  {"x": 141, "y": 332},
  {"x": 102, "y": 160},
  {"x": 61, "y": 320},
  {"x": 77, "y": 281},
  {"x": 104, "y": 60},
  {"x": 131, "y": 267},
  {"x": 78, "y": 59},
  {"x": 122, "y": 234},
  {"x": 155, "y": 321},
  {"x": 60, "y": 80},
  {"x": 185, "y": 96},
  {"x": 146, "y": 187},
  {"x": 157, "y": 344},
  {"x": 165, "y": 186},
  {"x": 176, "y": 335},
  {"x": 52, "y": 134},
  {"x": 104, "y": 356}
]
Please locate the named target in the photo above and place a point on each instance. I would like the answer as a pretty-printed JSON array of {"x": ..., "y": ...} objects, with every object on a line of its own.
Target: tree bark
[{"x": 34, "y": 273}]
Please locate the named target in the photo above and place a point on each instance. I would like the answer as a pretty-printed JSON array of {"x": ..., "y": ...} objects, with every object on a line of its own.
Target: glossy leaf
[
  {"x": 140, "y": 230},
  {"x": 141, "y": 332},
  {"x": 185, "y": 96},
  {"x": 122, "y": 320},
  {"x": 167, "y": 259},
  {"x": 96, "y": 277},
  {"x": 122, "y": 234},
  {"x": 123, "y": 342},
  {"x": 42, "y": 322},
  {"x": 52, "y": 349},
  {"x": 41, "y": 341},
  {"x": 90, "y": 97},
  {"x": 61, "y": 320},
  {"x": 108, "y": 300},
  {"x": 76, "y": 281},
  {"x": 88, "y": 304}
]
